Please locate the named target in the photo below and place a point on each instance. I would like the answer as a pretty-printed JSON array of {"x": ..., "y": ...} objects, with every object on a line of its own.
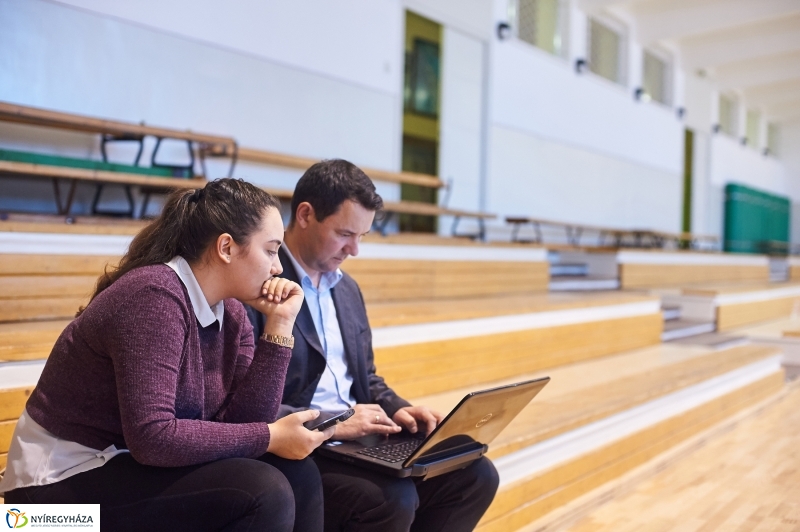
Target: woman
[{"x": 157, "y": 403}]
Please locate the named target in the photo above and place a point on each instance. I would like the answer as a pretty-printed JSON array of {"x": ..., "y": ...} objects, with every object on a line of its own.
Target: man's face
[{"x": 329, "y": 242}]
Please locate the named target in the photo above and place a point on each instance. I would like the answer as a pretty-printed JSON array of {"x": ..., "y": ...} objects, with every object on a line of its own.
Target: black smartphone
[{"x": 328, "y": 419}]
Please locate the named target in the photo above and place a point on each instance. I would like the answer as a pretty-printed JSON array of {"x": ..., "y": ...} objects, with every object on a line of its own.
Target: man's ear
[
  {"x": 224, "y": 247},
  {"x": 303, "y": 214}
]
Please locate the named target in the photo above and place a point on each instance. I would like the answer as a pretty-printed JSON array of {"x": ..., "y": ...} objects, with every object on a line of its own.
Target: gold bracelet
[{"x": 285, "y": 341}]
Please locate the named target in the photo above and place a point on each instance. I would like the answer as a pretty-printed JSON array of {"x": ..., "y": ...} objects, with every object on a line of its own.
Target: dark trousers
[
  {"x": 359, "y": 499},
  {"x": 235, "y": 494}
]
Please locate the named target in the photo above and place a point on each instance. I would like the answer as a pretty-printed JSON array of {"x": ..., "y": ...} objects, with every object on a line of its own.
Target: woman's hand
[
  {"x": 288, "y": 438},
  {"x": 280, "y": 301}
]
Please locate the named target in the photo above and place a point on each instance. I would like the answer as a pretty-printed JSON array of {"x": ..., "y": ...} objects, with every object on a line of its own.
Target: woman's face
[{"x": 258, "y": 261}]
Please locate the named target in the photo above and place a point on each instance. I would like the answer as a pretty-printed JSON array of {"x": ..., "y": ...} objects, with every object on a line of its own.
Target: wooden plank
[
  {"x": 29, "y": 340},
  {"x": 46, "y": 118},
  {"x": 6, "y": 431},
  {"x": 743, "y": 480},
  {"x": 384, "y": 314},
  {"x": 654, "y": 275},
  {"x": 404, "y": 207},
  {"x": 429, "y": 209},
  {"x": 550, "y": 416},
  {"x": 12, "y": 402},
  {"x": 527, "y": 500},
  {"x": 24, "y": 264},
  {"x": 3, "y": 462},
  {"x": 421, "y": 369},
  {"x": 388, "y": 280},
  {"x": 49, "y": 223},
  {"x": 41, "y": 308},
  {"x": 41, "y": 170},
  {"x": 731, "y": 316},
  {"x": 25, "y": 286},
  {"x": 303, "y": 163}
]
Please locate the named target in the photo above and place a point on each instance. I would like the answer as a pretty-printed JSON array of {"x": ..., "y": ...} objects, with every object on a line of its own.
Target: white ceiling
[{"x": 750, "y": 47}]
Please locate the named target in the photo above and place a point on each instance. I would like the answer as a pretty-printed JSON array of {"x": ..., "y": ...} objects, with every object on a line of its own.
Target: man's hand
[
  {"x": 368, "y": 419},
  {"x": 412, "y": 417}
]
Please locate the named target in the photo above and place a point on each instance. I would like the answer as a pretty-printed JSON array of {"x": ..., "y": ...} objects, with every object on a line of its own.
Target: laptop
[{"x": 461, "y": 438}]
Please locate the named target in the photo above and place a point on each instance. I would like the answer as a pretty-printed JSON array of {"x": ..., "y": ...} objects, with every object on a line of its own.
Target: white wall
[
  {"x": 578, "y": 147},
  {"x": 76, "y": 60},
  {"x": 461, "y": 124},
  {"x": 731, "y": 162},
  {"x": 319, "y": 36}
]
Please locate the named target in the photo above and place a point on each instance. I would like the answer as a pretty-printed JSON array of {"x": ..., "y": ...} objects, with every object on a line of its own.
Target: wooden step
[
  {"x": 29, "y": 340},
  {"x": 523, "y": 502},
  {"x": 550, "y": 417},
  {"x": 392, "y": 280},
  {"x": 14, "y": 310},
  {"x": 385, "y": 314},
  {"x": 433, "y": 367},
  {"x": 488, "y": 339},
  {"x": 23, "y": 264},
  {"x": 743, "y": 479},
  {"x": 46, "y": 286}
]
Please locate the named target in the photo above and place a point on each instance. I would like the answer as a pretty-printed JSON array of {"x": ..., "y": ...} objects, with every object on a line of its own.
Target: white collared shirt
[
  {"x": 334, "y": 390},
  {"x": 206, "y": 314},
  {"x": 38, "y": 457}
]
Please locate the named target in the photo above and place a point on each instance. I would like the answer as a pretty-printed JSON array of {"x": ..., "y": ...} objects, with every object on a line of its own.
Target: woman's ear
[{"x": 224, "y": 248}]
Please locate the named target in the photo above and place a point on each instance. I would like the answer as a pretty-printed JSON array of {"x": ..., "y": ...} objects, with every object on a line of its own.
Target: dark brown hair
[
  {"x": 328, "y": 184},
  {"x": 190, "y": 221}
]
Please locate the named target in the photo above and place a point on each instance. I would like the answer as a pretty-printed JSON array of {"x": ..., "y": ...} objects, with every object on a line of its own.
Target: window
[
  {"x": 773, "y": 138},
  {"x": 752, "y": 132},
  {"x": 541, "y": 23},
  {"x": 606, "y": 52},
  {"x": 421, "y": 92},
  {"x": 727, "y": 115},
  {"x": 657, "y": 79}
]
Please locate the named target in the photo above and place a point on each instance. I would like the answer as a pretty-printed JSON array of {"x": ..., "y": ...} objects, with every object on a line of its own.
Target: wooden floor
[{"x": 745, "y": 480}]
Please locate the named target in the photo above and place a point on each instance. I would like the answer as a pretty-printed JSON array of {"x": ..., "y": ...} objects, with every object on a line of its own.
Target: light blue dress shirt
[{"x": 333, "y": 392}]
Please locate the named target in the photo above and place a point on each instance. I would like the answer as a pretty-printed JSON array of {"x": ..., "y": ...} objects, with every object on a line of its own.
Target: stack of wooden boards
[{"x": 449, "y": 318}]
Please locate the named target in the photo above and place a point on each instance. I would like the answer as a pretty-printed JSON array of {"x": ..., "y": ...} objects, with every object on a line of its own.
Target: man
[{"x": 332, "y": 368}]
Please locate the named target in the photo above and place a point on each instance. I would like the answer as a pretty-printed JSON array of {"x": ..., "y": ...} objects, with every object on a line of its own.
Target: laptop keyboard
[{"x": 392, "y": 452}]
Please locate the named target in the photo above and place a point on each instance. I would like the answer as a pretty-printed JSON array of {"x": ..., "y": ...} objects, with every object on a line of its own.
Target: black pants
[
  {"x": 358, "y": 499},
  {"x": 235, "y": 494}
]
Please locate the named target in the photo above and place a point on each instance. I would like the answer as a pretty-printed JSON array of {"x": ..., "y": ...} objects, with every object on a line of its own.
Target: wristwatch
[{"x": 285, "y": 341}]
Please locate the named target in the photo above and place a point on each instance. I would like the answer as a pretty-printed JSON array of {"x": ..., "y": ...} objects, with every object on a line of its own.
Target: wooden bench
[
  {"x": 111, "y": 131},
  {"x": 391, "y": 208},
  {"x": 636, "y": 237},
  {"x": 149, "y": 184}
]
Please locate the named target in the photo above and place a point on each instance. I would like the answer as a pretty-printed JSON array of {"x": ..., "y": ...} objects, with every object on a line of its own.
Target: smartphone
[{"x": 327, "y": 420}]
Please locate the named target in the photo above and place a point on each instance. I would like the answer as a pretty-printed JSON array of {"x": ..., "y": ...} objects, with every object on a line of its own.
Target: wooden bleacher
[
  {"x": 739, "y": 305},
  {"x": 657, "y": 269},
  {"x": 155, "y": 178},
  {"x": 618, "y": 396},
  {"x": 608, "y": 236},
  {"x": 390, "y": 209}
]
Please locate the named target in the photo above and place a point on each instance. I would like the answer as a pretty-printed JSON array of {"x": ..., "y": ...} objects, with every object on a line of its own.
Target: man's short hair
[{"x": 328, "y": 184}]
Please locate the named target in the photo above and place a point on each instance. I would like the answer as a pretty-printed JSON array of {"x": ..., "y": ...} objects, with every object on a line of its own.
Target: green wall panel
[{"x": 755, "y": 221}]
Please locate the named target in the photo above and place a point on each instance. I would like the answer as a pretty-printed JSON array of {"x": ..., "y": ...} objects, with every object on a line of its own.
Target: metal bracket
[{"x": 64, "y": 210}]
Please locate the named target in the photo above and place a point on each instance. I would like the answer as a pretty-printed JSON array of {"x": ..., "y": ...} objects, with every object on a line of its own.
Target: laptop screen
[{"x": 479, "y": 417}]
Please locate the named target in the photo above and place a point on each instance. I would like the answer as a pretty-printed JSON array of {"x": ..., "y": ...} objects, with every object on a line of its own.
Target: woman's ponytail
[{"x": 190, "y": 220}]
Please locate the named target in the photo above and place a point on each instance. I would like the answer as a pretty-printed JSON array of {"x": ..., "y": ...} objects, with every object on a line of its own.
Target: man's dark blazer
[{"x": 308, "y": 360}]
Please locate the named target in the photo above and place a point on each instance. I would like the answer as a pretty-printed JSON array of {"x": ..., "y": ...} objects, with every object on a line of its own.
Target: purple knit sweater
[{"x": 137, "y": 371}]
